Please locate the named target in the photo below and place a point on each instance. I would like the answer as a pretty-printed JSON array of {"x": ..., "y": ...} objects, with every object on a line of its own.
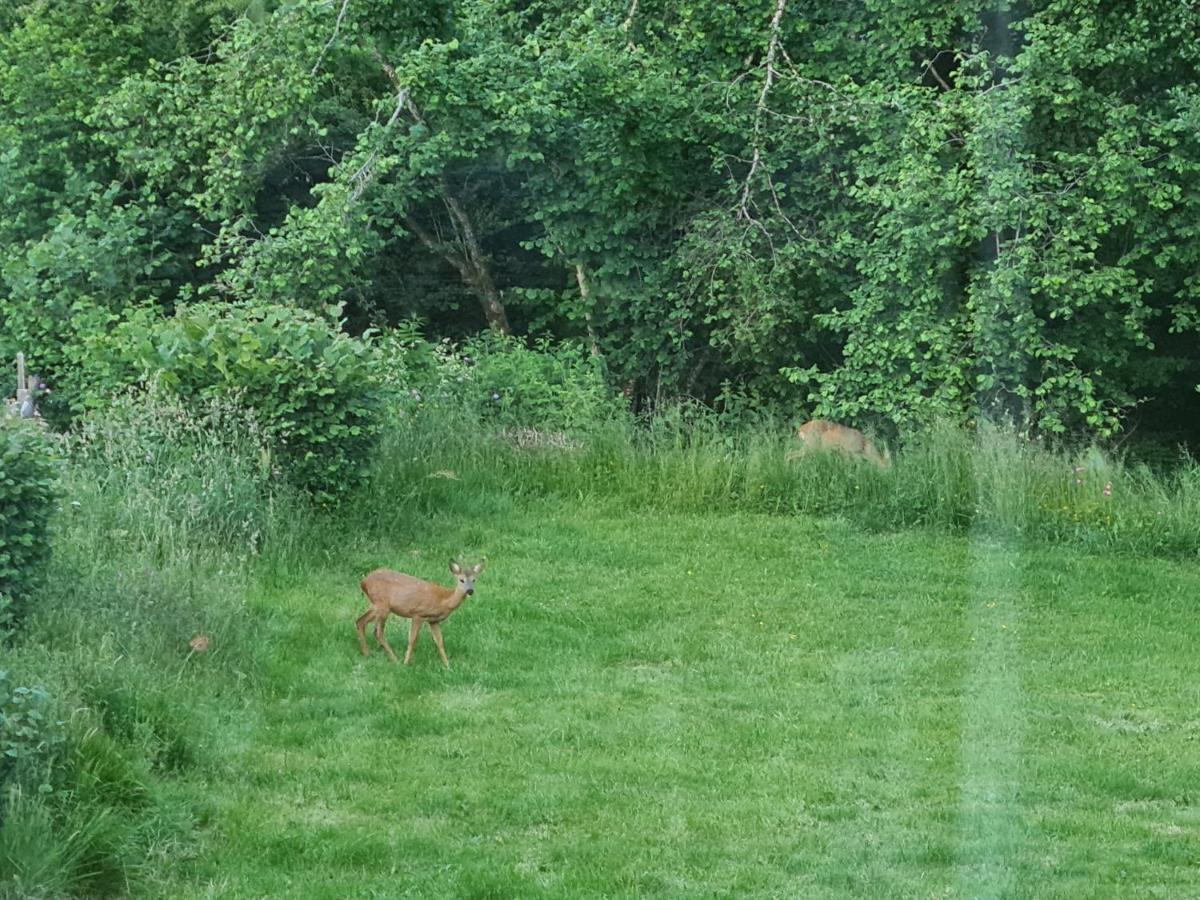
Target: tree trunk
[
  {"x": 475, "y": 271},
  {"x": 492, "y": 303},
  {"x": 470, "y": 262},
  {"x": 468, "y": 258},
  {"x": 585, "y": 296}
]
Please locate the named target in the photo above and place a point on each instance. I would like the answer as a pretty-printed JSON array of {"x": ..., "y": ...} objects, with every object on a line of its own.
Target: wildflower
[
  {"x": 1079, "y": 469},
  {"x": 1108, "y": 489}
]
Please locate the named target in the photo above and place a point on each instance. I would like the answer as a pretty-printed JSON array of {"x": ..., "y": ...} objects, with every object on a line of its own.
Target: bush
[
  {"x": 28, "y": 734},
  {"x": 27, "y": 470},
  {"x": 505, "y": 384},
  {"x": 313, "y": 390},
  {"x": 558, "y": 388}
]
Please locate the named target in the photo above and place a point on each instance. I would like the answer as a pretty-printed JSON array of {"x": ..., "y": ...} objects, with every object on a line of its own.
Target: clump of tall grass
[
  {"x": 683, "y": 459},
  {"x": 164, "y": 514},
  {"x": 168, "y": 482},
  {"x": 993, "y": 479}
]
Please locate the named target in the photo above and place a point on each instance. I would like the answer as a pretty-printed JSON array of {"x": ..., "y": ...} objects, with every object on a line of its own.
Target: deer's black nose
[{"x": 470, "y": 591}]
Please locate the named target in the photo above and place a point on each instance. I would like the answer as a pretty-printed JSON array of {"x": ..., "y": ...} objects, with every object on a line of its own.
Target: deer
[
  {"x": 821, "y": 434},
  {"x": 394, "y": 593}
]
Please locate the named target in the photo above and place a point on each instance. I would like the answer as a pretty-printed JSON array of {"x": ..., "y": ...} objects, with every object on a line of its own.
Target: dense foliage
[
  {"x": 102, "y": 700},
  {"x": 27, "y": 497},
  {"x": 496, "y": 382},
  {"x": 312, "y": 390},
  {"x": 877, "y": 212},
  {"x": 446, "y": 245}
]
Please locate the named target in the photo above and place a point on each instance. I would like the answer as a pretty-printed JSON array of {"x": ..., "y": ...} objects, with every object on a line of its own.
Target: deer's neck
[{"x": 455, "y": 599}]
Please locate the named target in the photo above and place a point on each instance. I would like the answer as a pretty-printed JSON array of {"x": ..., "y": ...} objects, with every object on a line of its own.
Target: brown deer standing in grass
[
  {"x": 821, "y": 434},
  {"x": 394, "y": 593}
]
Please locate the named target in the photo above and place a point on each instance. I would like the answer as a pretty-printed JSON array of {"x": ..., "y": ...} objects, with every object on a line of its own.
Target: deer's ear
[
  {"x": 479, "y": 567},
  {"x": 455, "y": 568}
]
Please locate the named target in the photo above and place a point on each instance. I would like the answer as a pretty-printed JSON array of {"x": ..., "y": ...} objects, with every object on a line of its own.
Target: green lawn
[{"x": 691, "y": 706}]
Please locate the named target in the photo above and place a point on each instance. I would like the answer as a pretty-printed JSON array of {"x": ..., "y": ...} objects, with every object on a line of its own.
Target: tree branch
[
  {"x": 469, "y": 258},
  {"x": 760, "y": 108},
  {"x": 362, "y": 177},
  {"x": 628, "y": 23},
  {"x": 931, "y": 69},
  {"x": 333, "y": 37}
]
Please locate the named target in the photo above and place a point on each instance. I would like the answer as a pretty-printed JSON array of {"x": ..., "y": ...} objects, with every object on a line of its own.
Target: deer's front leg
[
  {"x": 380, "y": 619},
  {"x": 436, "y": 630},
  {"x": 413, "y": 631}
]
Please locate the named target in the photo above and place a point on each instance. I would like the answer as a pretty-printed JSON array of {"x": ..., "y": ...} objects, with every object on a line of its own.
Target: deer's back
[
  {"x": 406, "y": 595},
  {"x": 823, "y": 433},
  {"x": 826, "y": 435}
]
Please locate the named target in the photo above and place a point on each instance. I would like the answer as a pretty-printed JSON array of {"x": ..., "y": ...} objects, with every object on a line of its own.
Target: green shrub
[
  {"x": 27, "y": 497},
  {"x": 313, "y": 390},
  {"x": 28, "y": 734},
  {"x": 560, "y": 388},
  {"x": 504, "y": 383}
]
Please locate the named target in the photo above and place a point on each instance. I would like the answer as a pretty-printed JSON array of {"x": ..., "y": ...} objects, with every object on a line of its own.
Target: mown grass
[
  {"x": 693, "y": 668},
  {"x": 688, "y": 705}
]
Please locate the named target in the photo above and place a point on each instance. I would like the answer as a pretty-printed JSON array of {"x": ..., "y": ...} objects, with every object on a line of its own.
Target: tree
[{"x": 870, "y": 214}]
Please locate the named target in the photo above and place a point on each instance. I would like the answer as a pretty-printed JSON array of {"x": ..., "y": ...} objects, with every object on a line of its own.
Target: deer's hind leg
[
  {"x": 381, "y": 618},
  {"x": 361, "y": 625}
]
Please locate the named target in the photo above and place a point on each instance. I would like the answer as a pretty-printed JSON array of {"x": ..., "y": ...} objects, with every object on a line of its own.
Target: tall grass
[
  {"x": 164, "y": 514},
  {"x": 946, "y": 478}
]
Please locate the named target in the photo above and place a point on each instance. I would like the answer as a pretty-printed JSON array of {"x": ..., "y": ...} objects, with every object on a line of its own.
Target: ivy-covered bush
[
  {"x": 27, "y": 478},
  {"x": 313, "y": 390}
]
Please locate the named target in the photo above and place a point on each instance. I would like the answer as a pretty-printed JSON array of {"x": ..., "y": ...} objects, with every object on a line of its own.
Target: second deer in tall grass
[
  {"x": 821, "y": 434},
  {"x": 394, "y": 593}
]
